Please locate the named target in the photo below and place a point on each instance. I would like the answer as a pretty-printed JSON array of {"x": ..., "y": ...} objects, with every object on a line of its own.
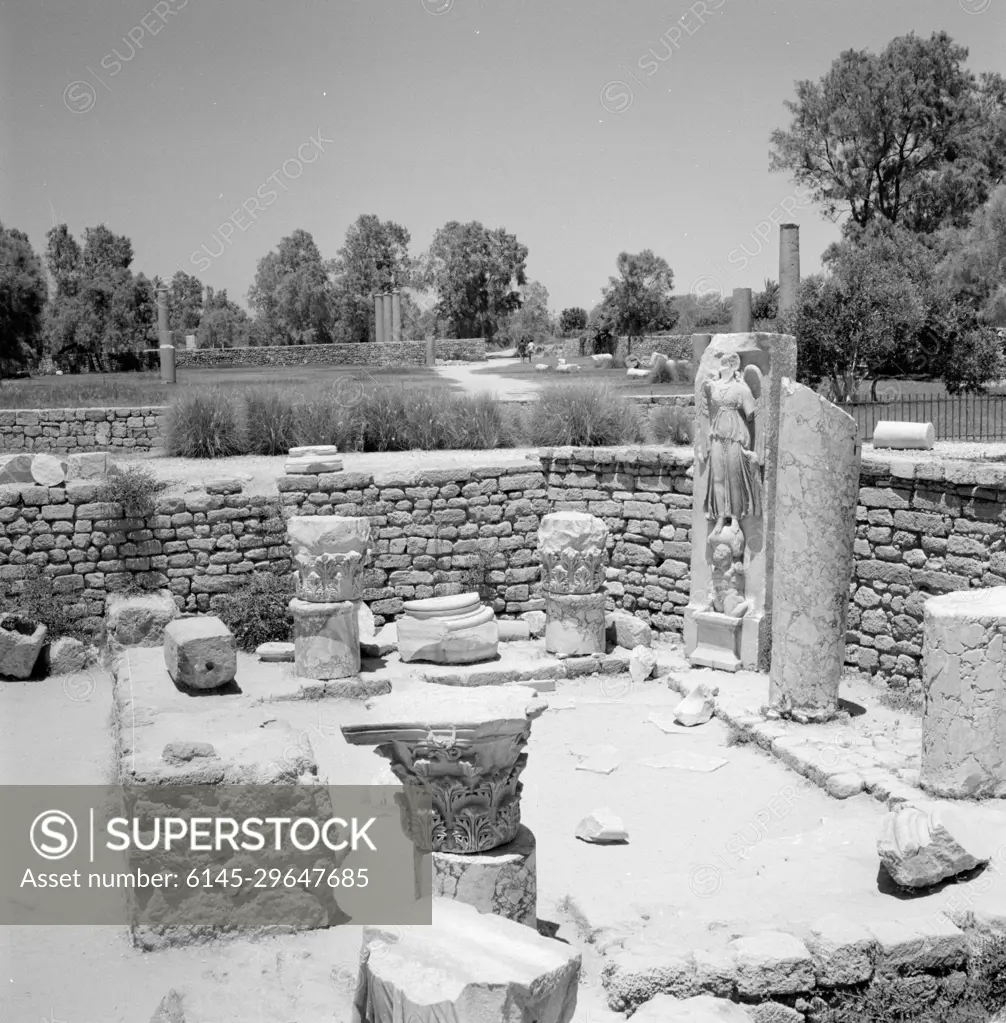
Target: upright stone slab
[
  {"x": 572, "y": 547},
  {"x": 467, "y": 968},
  {"x": 817, "y": 489},
  {"x": 964, "y": 721},
  {"x": 738, "y": 387}
]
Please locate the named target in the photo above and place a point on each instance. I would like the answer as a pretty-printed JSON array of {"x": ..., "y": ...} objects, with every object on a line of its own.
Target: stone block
[
  {"x": 663, "y": 1008},
  {"x": 602, "y": 827},
  {"x": 513, "y": 631},
  {"x": 468, "y": 967},
  {"x": 626, "y": 630},
  {"x": 311, "y": 465},
  {"x": 536, "y": 622},
  {"x": 843, "y": 951},
  {"x": 574, "y": 624},
  {"x": 696, "y": 708},
  {"x": 200, "y": 653},
  {"x": 140, "y": 620},
  {"x": 772, "y": 963},
  {"x": 433, "y": 640},
  {"x": 275, "y": 653},
  {"x": 326, "y": 639},
  {"x": 90, "y": 465},
  {"x": 66, "y": 655},
  {"x": 501, "y": 881},
  {"x": 20, "y": 644}
]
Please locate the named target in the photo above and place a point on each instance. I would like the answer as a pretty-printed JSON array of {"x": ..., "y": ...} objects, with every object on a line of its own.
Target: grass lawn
[
  {"x": 615, "y": 378},
  {"x": 110, "y": 389}
]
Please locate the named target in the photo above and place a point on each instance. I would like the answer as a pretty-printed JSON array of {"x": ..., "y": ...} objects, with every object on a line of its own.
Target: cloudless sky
[{"x": 552, "y": 119}]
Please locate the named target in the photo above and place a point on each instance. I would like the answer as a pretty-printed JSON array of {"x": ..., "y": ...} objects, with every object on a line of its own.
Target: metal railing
[{"x": 972, "y": 417}]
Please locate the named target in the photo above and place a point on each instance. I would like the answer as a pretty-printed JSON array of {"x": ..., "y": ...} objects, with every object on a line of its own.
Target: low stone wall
[
  {"x": 674, "y": 346},
  {"x": 401, "y": 353},
  {"x": 80, "y": 429},
  {"x": 923, "y": 529}
]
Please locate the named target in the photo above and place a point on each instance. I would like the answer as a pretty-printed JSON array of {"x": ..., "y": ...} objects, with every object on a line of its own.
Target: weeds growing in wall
[{"x": 135, "y": 488}]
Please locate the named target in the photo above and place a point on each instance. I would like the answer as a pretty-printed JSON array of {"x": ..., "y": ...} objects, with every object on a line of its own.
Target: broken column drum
[
  {"x": 330, "y": 554},
  {"x": 964, "y": 721},
  {"x": 572, "y": 547}
]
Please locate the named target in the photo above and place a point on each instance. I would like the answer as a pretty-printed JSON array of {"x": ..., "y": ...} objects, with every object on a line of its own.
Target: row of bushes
[{"x": 216, "y": 423}]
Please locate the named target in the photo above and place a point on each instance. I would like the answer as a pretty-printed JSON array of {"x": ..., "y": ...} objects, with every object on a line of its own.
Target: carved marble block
[
  {"x": 738, "y": 382},
  {"x": 326, "y": 639},
  {"x": 467, "y": 967},
  {"x": 574, "y": 624},
  {"x": 456, "y": 629},
  {"x": 462, "y": 748},
  {"x": 330, "y": 554},
  {"x": 964, "y": 682},
  {"x": 817, "y": 490},
  {"x": 501, "y": 881},
  {"x": 573, "y": 551}
]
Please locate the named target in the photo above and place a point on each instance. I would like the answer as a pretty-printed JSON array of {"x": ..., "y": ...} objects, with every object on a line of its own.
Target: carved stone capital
[
  {"x": 572, "y": 547},
  {"x": 330, "y": 554}
]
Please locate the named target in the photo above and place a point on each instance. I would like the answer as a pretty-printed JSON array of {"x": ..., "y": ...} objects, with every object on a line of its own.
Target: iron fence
[{"x": 972, "y": 417}]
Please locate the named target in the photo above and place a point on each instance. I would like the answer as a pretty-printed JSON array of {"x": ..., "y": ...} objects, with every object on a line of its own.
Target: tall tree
[
  {"x": 907, "y": 135},
  {"x": 638, "y": 301},
  {"x": 572, "y": 319},
  {"x": 291, "y": 293},
  {"x": 532, "y": 320},
  {"x": 476, "y": 274},
  {"x": 23, "y": 294},
  {"x": 224, "y": 324},
  {"x": 185, "y": 305},
  {"x": 373, "y": 259}
]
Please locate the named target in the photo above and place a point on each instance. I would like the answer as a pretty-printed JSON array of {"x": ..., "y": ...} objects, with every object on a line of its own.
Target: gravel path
[{"x": 478, "y": 383}]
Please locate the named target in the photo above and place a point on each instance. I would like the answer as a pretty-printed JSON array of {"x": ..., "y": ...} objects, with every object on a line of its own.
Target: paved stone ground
[{"x": 474, "y": 382}]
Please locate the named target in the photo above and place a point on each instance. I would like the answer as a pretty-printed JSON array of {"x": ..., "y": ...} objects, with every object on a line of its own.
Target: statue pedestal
[
  {"x": 326, "y": 639},
  {"x": 717, "y": 641}
]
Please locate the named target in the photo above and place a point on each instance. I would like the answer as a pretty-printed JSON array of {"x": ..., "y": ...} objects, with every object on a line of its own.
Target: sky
[{"x": 207, "y": 130}]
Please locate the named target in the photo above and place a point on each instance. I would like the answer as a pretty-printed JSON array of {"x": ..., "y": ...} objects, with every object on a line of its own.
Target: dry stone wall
[
  {"x": 674, "y": 346},
  {"x": 923, "y": 529},
  {"x": 401, "y": 353},
  {"x": 80, "y": 429}
]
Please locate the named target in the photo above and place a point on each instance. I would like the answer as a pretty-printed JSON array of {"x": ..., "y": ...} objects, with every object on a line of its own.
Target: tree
[
  {"x": 976, "y": 260},
  {"x": 908, "y": 135},
  {"x": 532, "y": 319},
  {"x": 291, "y": 293},
  {"x": 475, "y": 273},
  {"x": 23, "y": 294},
  {"x": 224, "y": 324},
  {"x": 373, "y": 259},
  {"x": 765, "y": 304},
  {"x": 572, "y": 319},
  {"x": 638, "y": 301},
  {"x": 185, "y": 305}
]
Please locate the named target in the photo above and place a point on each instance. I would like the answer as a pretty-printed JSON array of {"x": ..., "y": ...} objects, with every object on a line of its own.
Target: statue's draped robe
[{"x": 733, "y": 488}]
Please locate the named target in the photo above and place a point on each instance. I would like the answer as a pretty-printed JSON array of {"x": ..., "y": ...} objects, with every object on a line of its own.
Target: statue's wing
[
  {"x": 702, "y": 422},
  {"x": 756, "y": 384}
]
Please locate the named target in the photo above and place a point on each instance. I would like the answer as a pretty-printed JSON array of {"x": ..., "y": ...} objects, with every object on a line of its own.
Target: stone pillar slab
[
  {"x": 817, "y": 490},
  {"x": 326, "y": 639},
  {"x": 574, "y": 625},
  {"x": 502, "y": 881},
  {"x": 964, "y": 682}
]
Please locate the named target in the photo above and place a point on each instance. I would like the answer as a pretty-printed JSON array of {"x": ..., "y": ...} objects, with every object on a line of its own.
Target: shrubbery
[
  {"x": 38, "y": 602},
  {"x": 258, "y": 612},
  {"x": 583, "y": 415},
  {"x": 672, "y": 424},
  {"x": 206, "y": 424},
  {"x": 135, "y": 488}
]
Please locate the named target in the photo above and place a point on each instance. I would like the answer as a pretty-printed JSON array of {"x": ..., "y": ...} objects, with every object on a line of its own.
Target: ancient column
[
  {"x": 329, "y": 554},
  {"x": 386, "y": 314},
  {"x": 573, "y": 551},
  {"x": 431, "y": 351},
  {"x": 378, "y": 319},
  {"x": 740, "y": 322},
  {"x": 458, "y": 754},
  {"x": 964, "y": 721},
  {"x": 396, "y": 315},
  {"x": 167, "y": 349},
  {"x": 817, "y": 490},
  {"x": 789, "y": 266}
]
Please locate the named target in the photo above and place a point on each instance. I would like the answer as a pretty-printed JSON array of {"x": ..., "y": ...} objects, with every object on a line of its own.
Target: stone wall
[
  {"x": 924, "y": 529},
  {"x": 80, "y": 429},
  {"x": 674, "y": 346},
  {"x": 402, "y": 353}
]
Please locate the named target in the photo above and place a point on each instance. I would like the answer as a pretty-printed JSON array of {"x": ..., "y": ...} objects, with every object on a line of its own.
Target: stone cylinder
[
  {"x": 740, "y": 316},
  {"x": 378, "y": 319},
  {"x": 396, "y": 316},
  {"x": 964, "y": 721},
  {"x": 326, "y": 639},
  {"x": 502, "y": 881},
  {"x": 386, "y": 313},
  {"x": 904, "y": 436},
  {"x": 431, "y": 351},
  {"x": 789, "y": 266},
  {"x": 574, "y": 625}
]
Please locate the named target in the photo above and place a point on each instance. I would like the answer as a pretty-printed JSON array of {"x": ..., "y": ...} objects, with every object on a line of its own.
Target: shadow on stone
[
  {"x": 854, "y": 710},
  {"x": 547, "y": 929},
  {"x": 886, "y": 884},
  {"x": 227, "y": 689}
]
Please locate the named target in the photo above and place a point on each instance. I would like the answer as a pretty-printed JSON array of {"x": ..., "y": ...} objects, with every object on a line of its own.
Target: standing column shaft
[
  {"x": 789, "y": 266},
  {"x": 378, "y": 319},
  {"x": 386, "y": 303},
  {"x": 741, "y": 318},
  {"x": 166, "y": 349},
  {"x": 396, "y": 316}
]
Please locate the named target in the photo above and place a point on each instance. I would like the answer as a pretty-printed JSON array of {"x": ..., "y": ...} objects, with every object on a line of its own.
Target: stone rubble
[{"x": 602, "y": 827}]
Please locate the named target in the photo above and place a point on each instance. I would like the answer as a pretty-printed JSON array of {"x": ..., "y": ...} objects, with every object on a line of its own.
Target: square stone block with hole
[{"x": 200, "y": 653}]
